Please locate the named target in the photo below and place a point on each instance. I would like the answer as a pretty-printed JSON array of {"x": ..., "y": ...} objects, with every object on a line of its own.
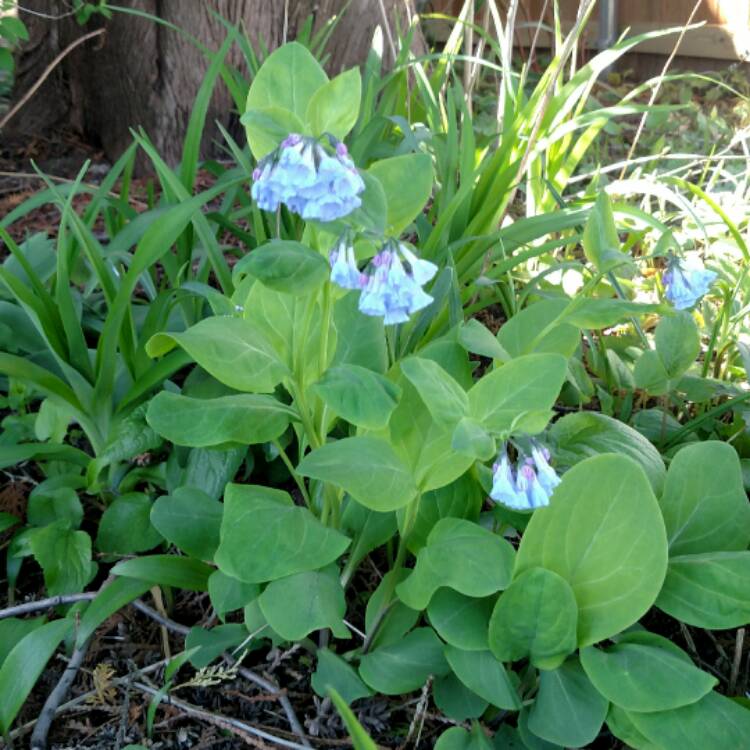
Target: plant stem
[{"x": 290, "y": 467}]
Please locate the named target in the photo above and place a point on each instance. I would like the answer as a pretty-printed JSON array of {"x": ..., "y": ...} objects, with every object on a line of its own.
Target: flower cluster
[
  {"x": 392, "y": 284},
  {"x": 529, "y": 486},
  {"x": 686, "y": 283},
  {"x": 311, "y": 181}
]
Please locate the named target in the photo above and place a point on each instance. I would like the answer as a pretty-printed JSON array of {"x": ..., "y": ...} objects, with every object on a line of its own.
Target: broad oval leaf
[
  {"x": 527, "y": 384},
  {"x": 125, "y": 526},
  {"x": 518, "y": 336},
  {"x": 644, "y": 677},
  {"x": 709, "y": 590},
  {"x": 265, "y": 536},
  {"x": 204, "y": 422},
  {"x": 568, "y": 709},
  {"x": 444, "y": 398},
  {"x": 233, "y": 350},
  {"x": 536, "y": 617},
  {"x": 333, "y": 672},
  {"x": 358, "y": 395},
  {"x": 583, "y": 434},
  {"x": 364, "y": 466},
  {"x": 604, "y": 534},
  {"x": 404, "y": 666},
  {"x": 483, "y": 674},
  {"x": 461, "y": 620},
  {"x": 334, "y": 107},
  {"x": 704, "y": 504},
  {"x": 190, "y": 519},
  {"x": 461, "y": 555},
  {"x": 455, "y": 700},
  {"x": 228, "y": 594},
  {"x": 299, "y": 604},
  {"x": 286, "y": 266}
]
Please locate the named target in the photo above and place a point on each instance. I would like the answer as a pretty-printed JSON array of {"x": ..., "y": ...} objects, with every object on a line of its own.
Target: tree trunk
[{"x": 144, "y": 74}]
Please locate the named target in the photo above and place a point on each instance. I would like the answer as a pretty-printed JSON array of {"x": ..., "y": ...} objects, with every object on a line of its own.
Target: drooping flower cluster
[
  {"x": 529, "y": 485},
  {"x": 309, "y": 179},
  {"x": 392, "y": 283},
  {"x": 685, "y": 283}
]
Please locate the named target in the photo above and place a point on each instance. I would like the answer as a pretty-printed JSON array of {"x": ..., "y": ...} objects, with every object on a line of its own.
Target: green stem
[{"x": 297, "y": 478}]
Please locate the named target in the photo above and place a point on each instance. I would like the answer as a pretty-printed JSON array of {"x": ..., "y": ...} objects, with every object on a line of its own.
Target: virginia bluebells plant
[
  {"x": 309, "y": 179},
  {"x": 527, "y": 487},
  {"x": 392, "y": 284},
  {"x": 685, "y": 283}
]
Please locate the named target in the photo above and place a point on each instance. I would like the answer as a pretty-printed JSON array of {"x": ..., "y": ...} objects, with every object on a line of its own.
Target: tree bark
[{"x": 144, "y": 74}]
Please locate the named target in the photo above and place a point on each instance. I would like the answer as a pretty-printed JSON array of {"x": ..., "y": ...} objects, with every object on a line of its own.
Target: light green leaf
[
  {"x": 484, "y": 675},
  {"x": 167, "y": 570},
  {"x": 528, "y": 383},
  {"x": 24, "y": 665},
  {"x": 7, "y": 520},
  {"x": 304, "y": 602},
  {"x": 536, "y": 617},
  {"x": 334, "y": 107},
  {"x": 266, "y": 128},
  {"x": 359, "y": 737},
  {"x": 13, "y": 630},
  {"x": 478, "y": 339},
  {"x": 265, "y": 536},
  {"x": 189, "y": 519},
  {"x": 65, "y": 557},
  {"x": 604, "y": 534},
  {"x": 286, "y": 266},
  {"x": 461, "y": 620},
  {"x": 404, "y": 666},
  {"x": 360, "y": 339},
  {"x": 364, "y": 466},
  {"x": 358, "y": 395},
  {"x": 601, "y": 243},
  {"x": 704, "y": 504},
  {"x": 333, "y": 672},
  {"x": 233, "y": 350},
  {"x": 444, "y": 398},
  {"x": 578, "y": 436},
  {"x": 568, "y": 709},
  {"x": 205, "y": 422},
  {"x": 407, "y": 184},
  {"x": 398, "y": 619},
  {"x": 471, "y": 439},
  {"x": 126, "y": 527},
  {"x": 645, "y": 677},
  {"x": 228, "y": 594},
  {"x": 595, "y": 313},
  {"x": 485, "y": 563},
  {"x": 520, "y": 332},
  {"x": 59, "y": 504},
  {"x": 708, "y": 590}
]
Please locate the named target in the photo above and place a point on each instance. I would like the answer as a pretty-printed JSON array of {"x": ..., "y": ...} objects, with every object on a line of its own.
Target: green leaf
[
  {"x": 455, "y": 700},
  {"x": 527, "y": 384},
  {"x": 126, "y": 527},
  {"x": 407, "y": 184},
  {"x": 228, "y": 594},
  {"x": 266, "y": 128},
  {"x": 536, "y": 617},
  {"x": 130, "y": 437},
  {"x": 471, "y": 439},
  {"x": 167, "y": 570},
  {"x": 264, "y": 536},
  {"x": 205, "y": 422},
  {"x": 601, "y": 243},
  {"x": 622, "y": 727},
  {"x": 286, "y": 266},
  {"x": 233, "y": 350},
  {"x": 518, "y": 335},
  {"x": 645, "y": 677},
  {"x": 304, "y": 602},
  {"x": 24, "y": 665},
  {"x": 398, "y": 619},
  {"x": 444, "y": 398},
  {"x": 708, "y": 590},
  {"x": 478, "y": 339},
  {"x": 49, "y": 505},
  {"x": 595, "y": 313},
  {"x": 115, "y": 596},
  {"x": 189, "y": 519},
  {"x": 714, "y": 721},
  {"x": 568, "y": 710},
  {"x": 13, "y": 630},
  {"x": 288, "y": 78},
  {"x": 360, "y": 339},
  {"x": 7, "y": 520},
  {"x": 404, "y": 666},
  {"x": 65, "y": 557},
  {"x": 333, "y": 672},
  {"x": 461, "y": 620},
  {"x": 578, "y": 436},
  {"x": 358, "y": 395},
  {"x": 364, "y": 466},
  {"x": 359, "y": 737},
  {"x": 456, "y": 738},
  {"x": 484, "y": 675},
  {"x": 604, "y": 534},
  {"x": 207, "y": 645},
  {"x": 210, "y": 470},
  {"x": 334, "y": 107},
  {"x": 486, "y": 563},
  {"x": 704, "y": 504}
]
